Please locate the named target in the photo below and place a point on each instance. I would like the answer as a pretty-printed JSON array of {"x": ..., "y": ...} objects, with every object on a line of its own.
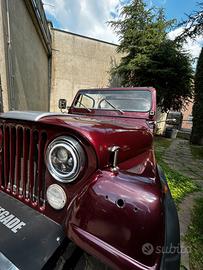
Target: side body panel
[{"x": 118, "y": 214}]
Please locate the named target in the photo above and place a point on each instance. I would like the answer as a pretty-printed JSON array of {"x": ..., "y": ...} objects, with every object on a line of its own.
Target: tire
[{"x": 73, "y": 258}]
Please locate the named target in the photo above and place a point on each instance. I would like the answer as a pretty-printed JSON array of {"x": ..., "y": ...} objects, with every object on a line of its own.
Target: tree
[
  {"x": 193, "y": 25},
  {"x": 169, "y": 70},
  {"x": 197, "y": 129},
  {"x": 150, "y": 59}
]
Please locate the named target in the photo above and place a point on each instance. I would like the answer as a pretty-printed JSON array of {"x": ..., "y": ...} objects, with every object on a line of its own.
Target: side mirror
[
  {"x": 62, "y": 104},
  {"x": 151, "y": 114}
]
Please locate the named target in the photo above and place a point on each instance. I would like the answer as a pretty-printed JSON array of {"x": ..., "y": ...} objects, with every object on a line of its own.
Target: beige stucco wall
[
  {"x": 28, "y": 69},
  {"x": 30, "y": 61},
  {"x": 161, "y": 122},
  {"x": 78, "y": 62}
]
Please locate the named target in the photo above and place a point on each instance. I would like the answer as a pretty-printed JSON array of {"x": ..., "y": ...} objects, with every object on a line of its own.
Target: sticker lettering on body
[{"x": 10, "y": 221}]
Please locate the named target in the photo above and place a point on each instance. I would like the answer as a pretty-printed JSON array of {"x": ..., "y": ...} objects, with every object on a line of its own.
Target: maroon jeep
[{"x": 82, "y": 190}]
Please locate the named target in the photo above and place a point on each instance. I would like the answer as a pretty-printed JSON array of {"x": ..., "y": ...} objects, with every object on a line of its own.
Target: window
[{"x": 125, "y": 100}]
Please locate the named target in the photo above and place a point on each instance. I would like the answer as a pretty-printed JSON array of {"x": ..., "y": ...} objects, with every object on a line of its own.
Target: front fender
[
  {"x": 115, "y": 216},
  {"x": 171, "y": 255}
]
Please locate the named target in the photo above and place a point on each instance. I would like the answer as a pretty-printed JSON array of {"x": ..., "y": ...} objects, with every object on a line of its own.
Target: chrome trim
[
  {"x": 114, "y": 149},
  {"x": 78, "y": 156},
  {"x": 28, "y": 115},
  {"x": 5, "y": 264}
]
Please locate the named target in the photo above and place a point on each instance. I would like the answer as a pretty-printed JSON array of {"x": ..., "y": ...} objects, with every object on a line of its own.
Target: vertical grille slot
[
  {"x": 18, "y": 173},
  {"x": 12, "y": 156},
  {"x": 6, "y": 156},
  {"x": 22, "y": 163},
  {"x": 31, "y": 166},
  {"x": 41, "y": 168},
  {"x": 35, "y": 166},
  {"x": 26, "y": 135},
  {"x": 1, "y": 158}
]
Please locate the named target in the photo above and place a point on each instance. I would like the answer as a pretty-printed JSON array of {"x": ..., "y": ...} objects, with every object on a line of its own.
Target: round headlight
[
  {"x": 65, "y": 159},
  {"x": 56, "y": 196}
]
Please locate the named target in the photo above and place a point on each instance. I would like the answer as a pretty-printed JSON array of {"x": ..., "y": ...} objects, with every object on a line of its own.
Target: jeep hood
[
  {"x": 133, "y": 137},
  {"x": 105, "y": 133}
]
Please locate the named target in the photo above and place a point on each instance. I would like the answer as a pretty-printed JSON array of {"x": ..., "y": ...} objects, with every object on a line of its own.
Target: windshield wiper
[
  {"x": 113, "y": 106},
  {"x": 84, "y": 106}
]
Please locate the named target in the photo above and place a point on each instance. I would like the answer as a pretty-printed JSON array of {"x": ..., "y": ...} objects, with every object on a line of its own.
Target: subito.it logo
[{"x": 147, "y": 249}]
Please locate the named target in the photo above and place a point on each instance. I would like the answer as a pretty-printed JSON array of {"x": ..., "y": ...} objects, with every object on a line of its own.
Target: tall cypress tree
[
  {"x": 197, "y": 129},
  {"x": 149, "y": 57},
  {"x": 193, "y": 26}
]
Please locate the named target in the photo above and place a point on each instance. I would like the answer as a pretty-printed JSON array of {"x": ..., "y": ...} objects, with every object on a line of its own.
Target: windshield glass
[{"x": 121, "y": 100}]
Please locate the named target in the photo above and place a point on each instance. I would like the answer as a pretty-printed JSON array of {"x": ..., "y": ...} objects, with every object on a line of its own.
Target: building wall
[
  {"x": 79, "y": 62},
  {"x": 26, "y": 59},
  {"x": 161, "y": 122},
  {"x": 187, "y": 116}
]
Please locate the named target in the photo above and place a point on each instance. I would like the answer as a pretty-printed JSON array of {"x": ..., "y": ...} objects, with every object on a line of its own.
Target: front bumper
[
  {"x": 171, "y": 252},
  {"x": 28, "y": 239},
  {"x": 6, "y": 264}
]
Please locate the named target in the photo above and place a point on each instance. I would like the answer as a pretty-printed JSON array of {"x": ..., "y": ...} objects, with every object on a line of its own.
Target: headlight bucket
[{"x": 65, "y": 159}]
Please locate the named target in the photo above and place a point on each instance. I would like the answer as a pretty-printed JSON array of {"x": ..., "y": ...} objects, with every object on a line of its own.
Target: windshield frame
[{"x": 90, "y": 91}]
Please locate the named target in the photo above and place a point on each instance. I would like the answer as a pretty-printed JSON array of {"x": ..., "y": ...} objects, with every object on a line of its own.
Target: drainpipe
[
  {"x": 1, "y": 98},
  {"x": 49, "y": 80},
  {"x": 10, "y": 64},
  {"x": 50, "y": 69}
]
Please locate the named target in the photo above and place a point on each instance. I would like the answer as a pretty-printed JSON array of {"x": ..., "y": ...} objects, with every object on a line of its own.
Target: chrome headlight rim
[{"x": 77, "y": 152}]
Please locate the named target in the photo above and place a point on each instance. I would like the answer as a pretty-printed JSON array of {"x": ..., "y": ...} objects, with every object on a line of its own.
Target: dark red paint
[{"x": 92, "y": 217}]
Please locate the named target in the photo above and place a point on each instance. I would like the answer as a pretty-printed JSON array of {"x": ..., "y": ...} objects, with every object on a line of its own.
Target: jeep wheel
[{"x": 73, "y": 258}]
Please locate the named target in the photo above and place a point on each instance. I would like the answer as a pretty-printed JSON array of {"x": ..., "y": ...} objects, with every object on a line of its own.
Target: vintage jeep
[{"x": 82, "y": 190}]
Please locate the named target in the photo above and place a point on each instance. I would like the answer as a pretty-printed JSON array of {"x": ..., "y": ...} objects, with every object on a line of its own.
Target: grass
[
  {"x": 194, "y": 236},
  {"x": 179, "y": 185},
  {"x": 197, "y": 151},
  {"x": 162, "y": 144}
]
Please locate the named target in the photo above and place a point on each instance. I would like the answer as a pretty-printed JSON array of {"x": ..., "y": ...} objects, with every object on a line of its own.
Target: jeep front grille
[{"x": 22, "y": 163}]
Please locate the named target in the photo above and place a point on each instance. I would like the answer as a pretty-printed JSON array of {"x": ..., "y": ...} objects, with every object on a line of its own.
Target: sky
[{"x": 89, "y": 17}]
